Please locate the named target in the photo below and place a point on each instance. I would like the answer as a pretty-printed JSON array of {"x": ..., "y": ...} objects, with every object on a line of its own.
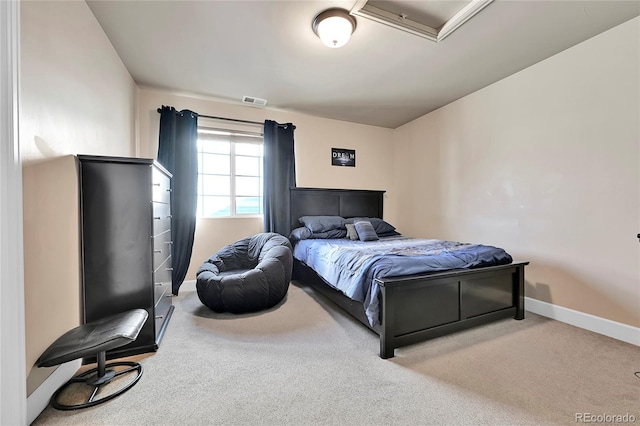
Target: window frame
[{"x": 234, "y": 138}]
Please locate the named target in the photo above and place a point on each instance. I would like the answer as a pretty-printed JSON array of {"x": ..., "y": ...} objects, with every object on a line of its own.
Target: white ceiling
[{"x": 383, "y": 76}]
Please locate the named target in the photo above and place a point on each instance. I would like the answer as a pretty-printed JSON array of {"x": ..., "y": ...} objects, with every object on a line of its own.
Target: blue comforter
[{"x": 352, "y": 266}]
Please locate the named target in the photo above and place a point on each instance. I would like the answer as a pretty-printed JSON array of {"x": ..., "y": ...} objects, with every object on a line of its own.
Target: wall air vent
[{"x": 254, "y": 101}]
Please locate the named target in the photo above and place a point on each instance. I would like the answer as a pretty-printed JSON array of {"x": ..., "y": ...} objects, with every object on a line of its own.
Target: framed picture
[{"x": 343, "y": 157}]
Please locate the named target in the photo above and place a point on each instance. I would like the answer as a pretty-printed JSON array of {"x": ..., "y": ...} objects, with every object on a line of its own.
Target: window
[{"x": 229, "y": 173}]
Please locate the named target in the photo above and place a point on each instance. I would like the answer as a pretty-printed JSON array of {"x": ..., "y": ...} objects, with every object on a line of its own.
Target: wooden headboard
[{"x": 334, "y": 202}]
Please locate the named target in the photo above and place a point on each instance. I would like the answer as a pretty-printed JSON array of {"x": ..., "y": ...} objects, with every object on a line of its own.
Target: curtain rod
[
  {"x": 227, "y": 119},
  {"x": 233, "y": 119}
]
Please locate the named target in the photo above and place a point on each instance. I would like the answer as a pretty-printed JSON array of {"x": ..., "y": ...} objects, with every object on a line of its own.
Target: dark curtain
[
  {"x": 279, "y": 176},
  {"x": 177, "y": 152}
]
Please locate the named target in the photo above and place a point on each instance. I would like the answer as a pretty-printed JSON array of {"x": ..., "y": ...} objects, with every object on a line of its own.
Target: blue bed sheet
[{"x": 352, "y": 266}]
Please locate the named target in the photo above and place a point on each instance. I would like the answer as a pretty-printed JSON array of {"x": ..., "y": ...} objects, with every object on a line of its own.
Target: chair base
[{"x": 98, "y": 385}]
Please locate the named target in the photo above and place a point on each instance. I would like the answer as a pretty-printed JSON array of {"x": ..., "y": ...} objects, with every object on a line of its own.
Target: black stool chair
[{"x": 94, "y": 339}]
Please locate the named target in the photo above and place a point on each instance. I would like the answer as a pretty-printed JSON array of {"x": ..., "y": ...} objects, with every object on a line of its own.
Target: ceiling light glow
[{"x": 334, "y": 27}]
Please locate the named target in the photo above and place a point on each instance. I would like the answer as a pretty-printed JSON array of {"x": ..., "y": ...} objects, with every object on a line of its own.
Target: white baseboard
[
  {"x": 188, "y": 285},
  {"x": 39, "y": 398},
  {"x": 599, "y": 325}
]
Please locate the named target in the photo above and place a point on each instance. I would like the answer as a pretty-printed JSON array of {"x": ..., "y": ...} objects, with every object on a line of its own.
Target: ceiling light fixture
[{"x": 334, "y": 27}]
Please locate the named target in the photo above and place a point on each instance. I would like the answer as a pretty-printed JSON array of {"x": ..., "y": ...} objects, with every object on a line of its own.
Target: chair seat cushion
[
  {"x": 94, "y": 337},
  {"x": 247, "y": 276}
]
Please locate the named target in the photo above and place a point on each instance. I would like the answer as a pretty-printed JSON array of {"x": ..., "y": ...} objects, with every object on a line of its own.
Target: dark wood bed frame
[{"x": 418, "y": 307}]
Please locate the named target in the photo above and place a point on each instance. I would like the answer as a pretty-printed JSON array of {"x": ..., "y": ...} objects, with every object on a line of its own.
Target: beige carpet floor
[{"x": 305, "y": 362}]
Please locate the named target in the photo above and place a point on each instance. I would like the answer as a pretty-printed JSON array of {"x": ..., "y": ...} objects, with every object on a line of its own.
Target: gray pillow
[
  {"x": 322, "y": 223},
  {"x": 352, "y": 234},
  {"x": 328, "y": 235},
  {"x": 381, "y": 227},
  {"x": 365, "y": 231},
  {"x": 301, "y": 233}
]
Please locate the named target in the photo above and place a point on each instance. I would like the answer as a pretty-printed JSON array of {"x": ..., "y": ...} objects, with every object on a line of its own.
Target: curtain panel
[
  {"x": 177, "y": 152},
  {"x": 279, "y": 176}
]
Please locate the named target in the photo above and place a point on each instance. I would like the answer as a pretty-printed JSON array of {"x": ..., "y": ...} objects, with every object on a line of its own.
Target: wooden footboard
[
  {"x": 418, "y": 308},
  {"x": 422, "y": 307}
]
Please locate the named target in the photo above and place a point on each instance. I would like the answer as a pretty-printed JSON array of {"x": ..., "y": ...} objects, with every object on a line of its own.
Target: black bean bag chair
[{"x": 247, "y": 276}]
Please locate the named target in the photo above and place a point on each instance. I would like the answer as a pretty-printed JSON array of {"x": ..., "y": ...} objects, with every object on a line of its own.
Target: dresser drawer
[
  {"x": 161, "y": 248},
  {"x": 161, "y": 194},
  {"x": 161, "y": 187},
  {"x": 162, "y": 273},
  {"x": 161, "y": 217},
  {"x": 161, "y": 289},
  {"x": 161, "y": 311}
]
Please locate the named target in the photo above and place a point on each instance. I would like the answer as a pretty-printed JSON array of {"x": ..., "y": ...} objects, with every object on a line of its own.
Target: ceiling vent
[
  {"x": 254, "y": 101},
  {"x": 432, "y": 21}
]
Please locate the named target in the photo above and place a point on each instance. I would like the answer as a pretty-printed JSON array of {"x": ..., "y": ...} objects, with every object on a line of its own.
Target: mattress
[{"x": 352, "y": 266}]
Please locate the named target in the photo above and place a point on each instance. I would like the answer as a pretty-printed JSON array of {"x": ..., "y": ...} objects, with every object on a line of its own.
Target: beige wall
[
  {"x": 76, "y": 95},
  {"x": 76, "y": 98},
  {"x": 314, "y": 138},
  {"x": 51, "y": 256},
  {"x": 544, "y": 163}
]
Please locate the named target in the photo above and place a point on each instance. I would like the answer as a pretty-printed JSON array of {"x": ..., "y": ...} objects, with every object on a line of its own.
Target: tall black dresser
[{"x": 126, "y": 244}]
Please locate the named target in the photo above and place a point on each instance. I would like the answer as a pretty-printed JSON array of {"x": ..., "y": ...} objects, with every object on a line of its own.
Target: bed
[{"x": 408, "y": 308}]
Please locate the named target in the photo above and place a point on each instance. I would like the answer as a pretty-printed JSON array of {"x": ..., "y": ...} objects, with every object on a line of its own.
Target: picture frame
[{"x": 343, "y": 157}]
